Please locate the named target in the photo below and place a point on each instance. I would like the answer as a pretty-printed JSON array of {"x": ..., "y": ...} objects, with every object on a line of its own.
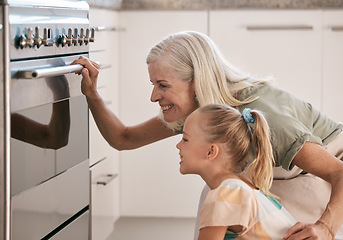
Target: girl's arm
[
  {"x": 315, "y": 159},
  {"x": 212, "y": 233},
  {"x": 217, "y": 232}
]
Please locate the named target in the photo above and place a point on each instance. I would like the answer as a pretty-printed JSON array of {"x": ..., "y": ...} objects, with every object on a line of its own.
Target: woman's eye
[
  {"x": 184, "y": 139},
  {"x": 163, "y": 86}
]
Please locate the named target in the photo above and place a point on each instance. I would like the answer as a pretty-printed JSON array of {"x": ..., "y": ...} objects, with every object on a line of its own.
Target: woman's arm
[
  {"x": 53, "y": 135},
  {"x": 122, "y": 137},
  {"x": 316, "y": 160},
  {"x": 118, "y": 135}
]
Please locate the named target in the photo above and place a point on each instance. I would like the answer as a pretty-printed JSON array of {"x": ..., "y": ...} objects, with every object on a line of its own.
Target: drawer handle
[
  {"x": 110, "y": 177},
  {"x": 104, "y": 28},
  {"x": 109, "y": 102},
  {"x": 337, "y": 28},
  {"x": 278, "y": 27}
]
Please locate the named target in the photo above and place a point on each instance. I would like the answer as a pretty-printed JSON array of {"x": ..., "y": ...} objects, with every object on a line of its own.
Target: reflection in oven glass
[
  {"x": 47, "y": 140},
  {"x": 53, "y": 134}
]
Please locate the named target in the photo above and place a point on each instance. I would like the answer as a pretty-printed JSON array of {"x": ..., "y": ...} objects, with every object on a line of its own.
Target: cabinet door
[
  {"x": 332, "y": 64},
  {"x": 105, "y": 51},
  {"x": 282, "y": 44},
  {"x": 98, "y": 146},
  {"x": 104, "y": 197},
  {"x": 151, "y": 184}
]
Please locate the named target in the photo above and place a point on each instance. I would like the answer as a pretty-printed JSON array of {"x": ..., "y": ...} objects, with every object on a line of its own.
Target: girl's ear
[{"x": 213, "y": 151}]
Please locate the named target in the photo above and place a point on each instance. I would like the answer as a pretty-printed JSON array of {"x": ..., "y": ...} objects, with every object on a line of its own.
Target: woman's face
[
  {"x": 193, "y": 148},
  {"x": 175, "y": 96}
]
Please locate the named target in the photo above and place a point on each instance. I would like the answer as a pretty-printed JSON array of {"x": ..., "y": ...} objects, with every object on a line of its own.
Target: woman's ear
[{"x": 213, "y": 151}]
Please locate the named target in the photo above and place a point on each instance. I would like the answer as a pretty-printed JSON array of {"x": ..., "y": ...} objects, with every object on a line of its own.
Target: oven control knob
[
  {"x": 29, "y": 38},
  {"x": 46, "y": 40},
  {"x": 63, "y": 40},
  {"x": 91, "y": 39},
  {"x": 81, "y": 37},
  {"x": 21, "y": 42},
  {"x": 75, "y": 37},
  {"x": 37, "y": 39},
  {"x": 69, "y": 39},
  {"x": 86, "y": 38}
]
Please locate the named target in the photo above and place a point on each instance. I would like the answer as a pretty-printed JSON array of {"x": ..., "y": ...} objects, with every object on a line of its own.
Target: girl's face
[
  {"x": 193, "y": 148},
  {"x": 175, "y": 96}
]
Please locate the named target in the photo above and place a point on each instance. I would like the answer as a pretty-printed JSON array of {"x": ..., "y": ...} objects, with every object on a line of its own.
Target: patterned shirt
[{"x": 235, "y": 203}]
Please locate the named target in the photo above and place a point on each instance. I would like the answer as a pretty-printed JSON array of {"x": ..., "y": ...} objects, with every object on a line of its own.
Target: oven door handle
[
  {"x": 48, "y": 72},
  {"x": 51, "y": 71}
]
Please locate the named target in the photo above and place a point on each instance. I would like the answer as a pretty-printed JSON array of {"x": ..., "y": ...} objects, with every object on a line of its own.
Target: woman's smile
[{"x": 165, "y": 108}]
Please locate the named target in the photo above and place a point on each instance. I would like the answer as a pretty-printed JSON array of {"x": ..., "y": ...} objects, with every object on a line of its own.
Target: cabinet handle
[
  {"x": 110, "y": 177},
  {"x": 109, "y": 102},
  {"x": 337, "y": 28},
  {"x": 105, "y": 66},
  {"x": 114, "y": 29},
  {"x": 278, "y": 27}
]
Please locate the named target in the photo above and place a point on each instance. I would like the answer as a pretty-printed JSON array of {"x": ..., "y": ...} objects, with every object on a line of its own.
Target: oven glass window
[{"x": 47, "y": 140}]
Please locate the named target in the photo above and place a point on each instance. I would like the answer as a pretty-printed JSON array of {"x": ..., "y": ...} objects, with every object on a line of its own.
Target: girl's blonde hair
[
  {"x": 224, "y": 124},
  {"x": 195, "y": 57}
]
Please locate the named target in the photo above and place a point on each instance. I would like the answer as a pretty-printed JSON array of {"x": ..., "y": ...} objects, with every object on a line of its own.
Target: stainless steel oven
[{"x": 47, "y": 119}]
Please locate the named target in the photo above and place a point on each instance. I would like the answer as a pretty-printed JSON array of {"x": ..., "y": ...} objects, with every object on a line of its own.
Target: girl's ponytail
[{"x": 261, "y": 169}]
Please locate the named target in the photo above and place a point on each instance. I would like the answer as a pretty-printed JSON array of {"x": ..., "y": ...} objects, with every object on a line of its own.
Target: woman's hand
[
  {"x": 308, "y": 231},
  {"x": 313, "y": 158},
  {"x": 90, "y": 74}
]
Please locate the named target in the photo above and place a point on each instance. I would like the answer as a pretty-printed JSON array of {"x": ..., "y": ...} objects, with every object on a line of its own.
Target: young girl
[{"x": 217, "y": 142}]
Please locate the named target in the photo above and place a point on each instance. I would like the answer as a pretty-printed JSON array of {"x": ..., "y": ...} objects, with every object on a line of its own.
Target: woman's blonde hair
[
  {"x": 195, "y": 57},
  {"x": 224, "y": 124}
]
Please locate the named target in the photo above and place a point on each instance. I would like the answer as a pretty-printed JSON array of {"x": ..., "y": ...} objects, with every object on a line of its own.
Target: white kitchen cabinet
[
  {"x": 151, "y": 184},
  {"x": 332, "y": 64},
  {"x": 285, "y": 44},
  {"x": 105, "y": 201},
  {"x": 104, "y": 160}
]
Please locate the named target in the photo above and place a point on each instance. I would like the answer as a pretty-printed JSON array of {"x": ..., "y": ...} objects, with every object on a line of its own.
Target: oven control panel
[
  {"x": 73, "y": 37},
  {"x": 39, "y": 29}
]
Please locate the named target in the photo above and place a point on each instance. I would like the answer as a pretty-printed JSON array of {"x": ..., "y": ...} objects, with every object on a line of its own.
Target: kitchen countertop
[
  {"x": 228, "y": 4},
  {"x": 214, "y": 4}
]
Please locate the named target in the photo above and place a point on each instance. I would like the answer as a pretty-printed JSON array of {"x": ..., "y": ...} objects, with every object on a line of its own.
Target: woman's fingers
[
  {"x": 307, "y": 231},
  {"x": 89, "y": 75},
  {"x": 294, "y": 229},
  {"x": 87, "y": 63}
]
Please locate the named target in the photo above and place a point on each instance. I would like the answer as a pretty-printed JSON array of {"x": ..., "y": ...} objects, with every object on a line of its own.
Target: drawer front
[
  {"x": 39, "y": 210},
  {"x": 104, "y": 197}
]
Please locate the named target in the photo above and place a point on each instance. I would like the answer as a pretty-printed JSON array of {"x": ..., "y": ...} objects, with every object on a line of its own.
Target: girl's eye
[{"x": 184, "y": 139}]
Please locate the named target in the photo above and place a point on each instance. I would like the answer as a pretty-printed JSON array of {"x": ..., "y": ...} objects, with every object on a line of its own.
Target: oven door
[
  {"x": 49, "y": 124},
  {"x": 49, "y": 150}
]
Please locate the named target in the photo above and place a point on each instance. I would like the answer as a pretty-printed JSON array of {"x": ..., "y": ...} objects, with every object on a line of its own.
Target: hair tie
[{"x": 248, "y": 118}]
